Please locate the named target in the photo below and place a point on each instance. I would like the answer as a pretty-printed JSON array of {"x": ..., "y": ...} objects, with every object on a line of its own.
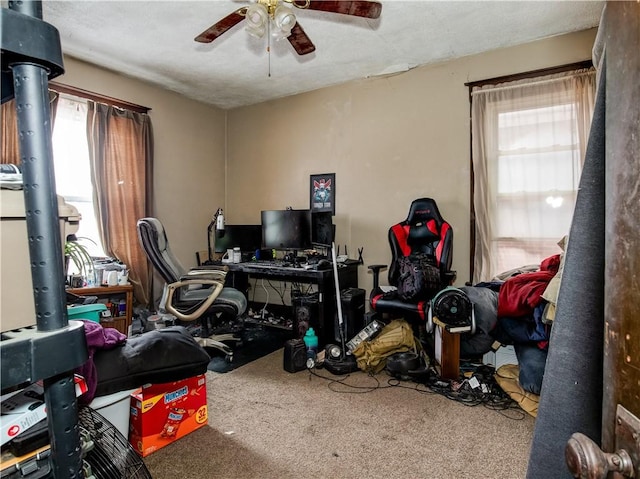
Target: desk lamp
[{"x": 218, "y": 223}]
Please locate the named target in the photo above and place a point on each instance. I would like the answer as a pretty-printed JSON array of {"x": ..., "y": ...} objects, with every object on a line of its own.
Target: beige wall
[
  {"x": 389, "y": 140},
  {"x": 189, "y": 139}
]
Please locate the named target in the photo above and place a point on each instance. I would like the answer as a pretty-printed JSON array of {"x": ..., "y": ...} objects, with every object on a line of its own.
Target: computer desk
[{"x": 239, "y": 273}]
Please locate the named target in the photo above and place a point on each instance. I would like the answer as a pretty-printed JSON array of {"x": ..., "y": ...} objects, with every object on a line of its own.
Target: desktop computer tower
[
  {"x": 305, "y": 313},
  {"x": 352, "y": 302}
]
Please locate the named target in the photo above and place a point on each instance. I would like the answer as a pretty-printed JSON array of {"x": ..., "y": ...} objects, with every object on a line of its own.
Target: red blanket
[{"x": 520, "y": 294}]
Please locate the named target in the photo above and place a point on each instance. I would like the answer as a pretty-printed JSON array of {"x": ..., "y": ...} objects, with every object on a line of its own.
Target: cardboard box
[
  {"x": 163, "y": 413},
  {"x": 21, "y": 411},
  {"x": 501, "y": 356},
  {"x": 17, "y": 308},
  {"x": 24, "y": 409}
]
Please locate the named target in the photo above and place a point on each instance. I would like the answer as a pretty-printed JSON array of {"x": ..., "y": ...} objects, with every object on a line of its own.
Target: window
[
  {"x": 91, "y": 160},
  {"x": 538, "y": 167},
  {"x": 529, "y": 140},
  {"x": 72, "y": 166}
]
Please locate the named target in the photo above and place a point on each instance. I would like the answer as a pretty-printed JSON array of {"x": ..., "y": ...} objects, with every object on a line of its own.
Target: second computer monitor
[
  {"x": 286, "y": 229},
  {"x": 247, "y": 237},
  {"x": 322, "y": 229}
]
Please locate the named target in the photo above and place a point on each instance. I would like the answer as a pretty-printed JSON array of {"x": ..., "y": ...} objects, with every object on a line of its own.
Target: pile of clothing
[{"x": 517, "y": 310}]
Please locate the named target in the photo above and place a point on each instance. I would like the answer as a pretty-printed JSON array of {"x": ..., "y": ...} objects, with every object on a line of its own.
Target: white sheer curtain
[
  {"x": 529, "y": 141},
  {"x": 72, "y": 167}
]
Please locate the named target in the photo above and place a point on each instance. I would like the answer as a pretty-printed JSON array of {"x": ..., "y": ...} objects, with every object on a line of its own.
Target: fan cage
[
  {"x": 111, "y": 456},
  {"x": 453, "y": 307}
]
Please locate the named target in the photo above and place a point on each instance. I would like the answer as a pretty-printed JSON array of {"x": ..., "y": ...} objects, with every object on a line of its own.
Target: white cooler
[{"x": 116, "y": 409}]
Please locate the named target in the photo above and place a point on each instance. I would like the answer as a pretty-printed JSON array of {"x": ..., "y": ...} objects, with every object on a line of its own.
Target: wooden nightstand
[{"x": 112, "y": 294}]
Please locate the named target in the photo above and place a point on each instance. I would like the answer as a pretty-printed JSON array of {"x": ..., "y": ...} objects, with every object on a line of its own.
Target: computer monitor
[
  {"x": 286, "y": 229},
  {"x": 247, "y": 237},
  {"x": 322, "y": 229}
]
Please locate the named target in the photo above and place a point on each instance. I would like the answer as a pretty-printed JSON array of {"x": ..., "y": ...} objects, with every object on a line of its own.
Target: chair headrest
[
  {"x": 156, "y": 246},
  {"x": 159, "y": 235},
  {"x": 423, "y": 210}
]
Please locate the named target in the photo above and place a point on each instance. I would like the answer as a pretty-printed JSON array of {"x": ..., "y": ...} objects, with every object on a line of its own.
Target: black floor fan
[
  {"x": 337, "y": 360},
  {"x": 107, "y": 454}
]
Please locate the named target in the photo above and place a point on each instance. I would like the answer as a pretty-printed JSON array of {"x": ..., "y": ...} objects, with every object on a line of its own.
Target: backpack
[
  {"x": 395, "y": 337},
  {"x": 418, "y": 278}
]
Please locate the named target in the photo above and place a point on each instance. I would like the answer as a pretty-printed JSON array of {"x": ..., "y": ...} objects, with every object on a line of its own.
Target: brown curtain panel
[
  {"x": 10, "y": 146},
  {"x": 9, "y": 139},
  {"x": 121, "y": 150}
]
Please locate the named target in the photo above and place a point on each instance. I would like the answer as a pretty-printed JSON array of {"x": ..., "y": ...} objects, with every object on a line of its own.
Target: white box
[
  {"x": 21, "y": 411},
  {"x": 503, "y": 355},
  {"x": 17, "y": 308}
]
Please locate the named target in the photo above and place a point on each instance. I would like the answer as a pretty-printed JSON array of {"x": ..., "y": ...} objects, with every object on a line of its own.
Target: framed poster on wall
[{"x": 323, "y": 193}]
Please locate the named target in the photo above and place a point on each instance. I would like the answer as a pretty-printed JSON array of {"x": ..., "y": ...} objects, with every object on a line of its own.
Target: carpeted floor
[{"x": 267, "y": 423}]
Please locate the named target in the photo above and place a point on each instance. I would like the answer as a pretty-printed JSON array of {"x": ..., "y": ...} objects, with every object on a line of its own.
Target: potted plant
[{"x": 77, "y": 254}]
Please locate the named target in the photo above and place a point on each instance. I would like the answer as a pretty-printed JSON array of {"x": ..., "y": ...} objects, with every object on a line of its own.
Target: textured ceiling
[{"x": 154, "y": 41}]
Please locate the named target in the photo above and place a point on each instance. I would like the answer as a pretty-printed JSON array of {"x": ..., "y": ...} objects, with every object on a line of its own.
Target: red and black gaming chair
[{"x": 424, "y": 231}]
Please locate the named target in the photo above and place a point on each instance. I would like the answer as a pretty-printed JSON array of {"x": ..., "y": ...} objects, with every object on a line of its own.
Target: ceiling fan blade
[
  {"x": 358, "y": 8},
  {"x": 214, "y": 31},
  {"x": 300, "y": 41}
]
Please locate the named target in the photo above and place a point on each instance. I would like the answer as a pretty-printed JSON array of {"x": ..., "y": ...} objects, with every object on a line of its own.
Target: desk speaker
[{"x": 295, "y": 356}]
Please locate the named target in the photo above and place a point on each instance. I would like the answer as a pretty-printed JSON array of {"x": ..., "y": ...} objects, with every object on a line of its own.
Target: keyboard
[
  {"x": 313, "y": 259},
  {"x": 275, "y": 263}
]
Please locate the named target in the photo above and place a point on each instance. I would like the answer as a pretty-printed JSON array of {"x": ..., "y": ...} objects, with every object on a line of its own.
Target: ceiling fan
[{"x": 278, "y": 18}]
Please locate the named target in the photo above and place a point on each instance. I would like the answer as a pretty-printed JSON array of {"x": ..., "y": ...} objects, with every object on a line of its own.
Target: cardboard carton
[
  {"x": 24, "y": 409},
  {"x": 163, "y": 413}
]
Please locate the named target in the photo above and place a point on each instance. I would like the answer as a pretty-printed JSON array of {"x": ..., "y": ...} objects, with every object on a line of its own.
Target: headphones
[{"x": 406, "y": 366}]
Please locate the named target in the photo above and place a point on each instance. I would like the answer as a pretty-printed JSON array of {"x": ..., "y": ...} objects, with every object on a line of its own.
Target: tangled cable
[{"x": 480, "y": 389}]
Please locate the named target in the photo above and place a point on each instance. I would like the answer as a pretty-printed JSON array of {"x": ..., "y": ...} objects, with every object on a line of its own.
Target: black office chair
[
  {"x": 424, "y": 231},
  {"x": 196, "y": 295}
]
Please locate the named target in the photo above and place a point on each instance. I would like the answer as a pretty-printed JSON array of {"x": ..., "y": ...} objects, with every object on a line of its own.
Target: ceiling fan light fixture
[
  {"x": 284, "y": 20},
  {"x": 276, "y": 19},
  {"x": 257, "y": 18}
]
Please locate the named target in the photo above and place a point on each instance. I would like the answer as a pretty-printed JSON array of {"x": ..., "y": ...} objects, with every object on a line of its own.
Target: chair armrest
[
  {"x": 375, "y": 269},
  {"x": 198, "y": 309},
  {"x": 195, "y": 277},
  {"x": 217, "y": 274}
]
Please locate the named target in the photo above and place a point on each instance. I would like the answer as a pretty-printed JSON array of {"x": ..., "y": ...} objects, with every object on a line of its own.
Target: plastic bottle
[{"x": 311, "y": 342}]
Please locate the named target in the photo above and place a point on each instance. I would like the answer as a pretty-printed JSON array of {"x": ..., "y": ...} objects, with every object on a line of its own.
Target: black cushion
[
  {"x": 159, "y": 356},
  {"x": 412, "y": 311}
]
